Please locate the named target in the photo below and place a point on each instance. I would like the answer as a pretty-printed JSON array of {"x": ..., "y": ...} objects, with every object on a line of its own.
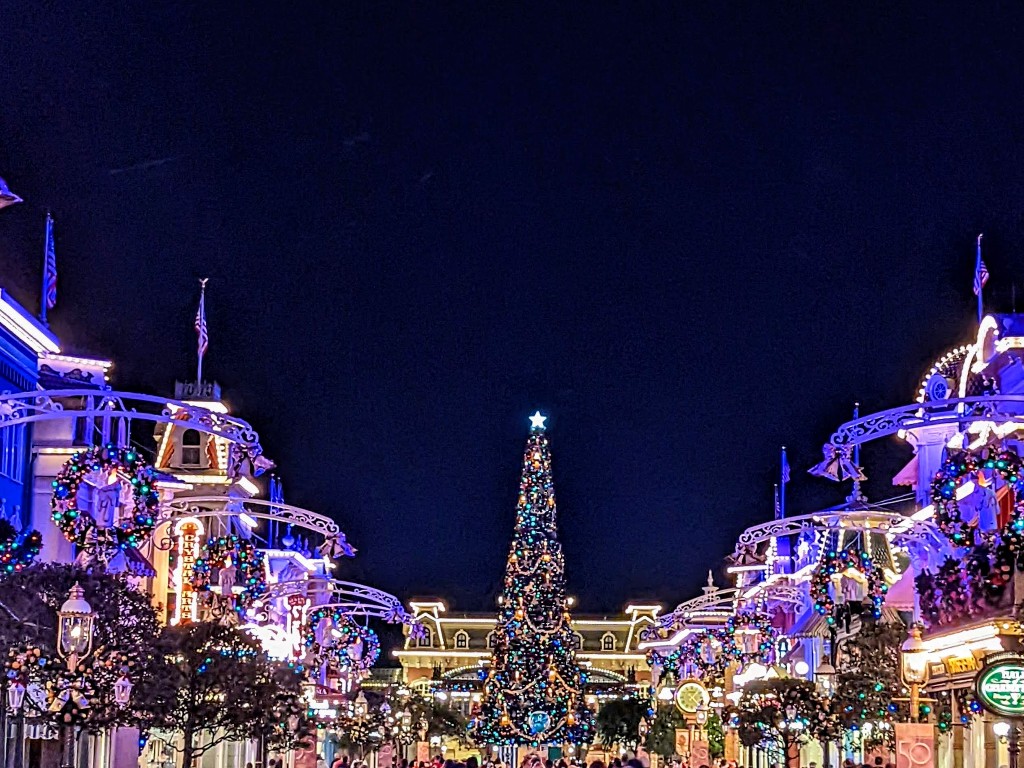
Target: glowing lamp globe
[
  {"x": 16, "y": 695},
  {"x": 122, "y": 691},
  {"x": 361, "y": 708},
  {"x": 75, "y": 624},
  {"x": 915, "y": 658}
]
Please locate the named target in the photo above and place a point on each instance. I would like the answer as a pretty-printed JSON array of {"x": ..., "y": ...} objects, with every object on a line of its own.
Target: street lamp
[
  {"x": 74, "y": 643},
  {"x": 915, "y": 668},
  {"x": 824, "y": 674},
  {"x": 667, "y": 690},
  {"x": 74, "y": 627},
  {"x": 122, "y": 690},
  {"x": 361, "y": 708}
]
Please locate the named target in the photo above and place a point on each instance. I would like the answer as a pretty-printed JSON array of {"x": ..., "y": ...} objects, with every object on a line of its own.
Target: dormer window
[
  {"x": 492, "y": 639},
  {"x": 426, "y": 639},
  {"x": 461, "y": 639},
  {"x": 608, "y": 642},
  {"x": 191, "y": 448}
]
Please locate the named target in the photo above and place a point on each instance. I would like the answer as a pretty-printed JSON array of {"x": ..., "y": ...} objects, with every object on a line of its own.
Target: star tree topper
[{"x": 537, "y": 421}]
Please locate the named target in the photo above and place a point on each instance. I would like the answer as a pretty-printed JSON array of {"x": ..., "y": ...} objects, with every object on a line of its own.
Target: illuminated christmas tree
[{"x": 533, "y": 690}]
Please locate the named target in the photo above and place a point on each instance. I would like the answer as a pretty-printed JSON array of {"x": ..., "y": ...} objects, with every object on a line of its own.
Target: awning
[{"x": 907, "y": 475}]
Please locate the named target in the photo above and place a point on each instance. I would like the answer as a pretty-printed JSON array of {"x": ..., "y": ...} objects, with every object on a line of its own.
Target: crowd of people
[{"x": 534, "y": 760}]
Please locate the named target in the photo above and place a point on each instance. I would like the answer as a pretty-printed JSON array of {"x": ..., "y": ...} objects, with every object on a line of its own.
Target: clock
[{"x": 690, "y": 696}]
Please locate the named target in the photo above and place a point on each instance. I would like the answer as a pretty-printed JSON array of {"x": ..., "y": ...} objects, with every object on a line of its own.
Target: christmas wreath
[
  {"x": 697, "y": 655},
  {"x": 224, "y": 551},
  {"x": 346, "y": 639},
  {"x": 17, "y": 550},
  {"x": 766, "y": 636},
  {"x": 833, "y": 563},
  {"x": 955, "y": 472},
  {"x": 79, "y": 526}
]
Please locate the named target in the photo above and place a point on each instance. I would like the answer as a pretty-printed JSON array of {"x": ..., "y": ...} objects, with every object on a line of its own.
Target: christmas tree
[{"x": 533, "y": 690}]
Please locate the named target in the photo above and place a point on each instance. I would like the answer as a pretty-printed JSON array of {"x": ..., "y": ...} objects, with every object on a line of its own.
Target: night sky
[{"x": 690, "y": 233}]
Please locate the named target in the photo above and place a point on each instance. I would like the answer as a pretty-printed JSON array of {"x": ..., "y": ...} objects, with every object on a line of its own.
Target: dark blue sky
[{"x": 690, "y": 233}]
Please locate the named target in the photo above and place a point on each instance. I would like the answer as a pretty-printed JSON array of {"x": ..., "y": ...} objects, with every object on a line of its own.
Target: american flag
[
  {"x": 50, "y": 267},
  {"x": 204, "y": 338},
  {"x": 980, "y": 276},
  {"x": 785, "y": 467}
]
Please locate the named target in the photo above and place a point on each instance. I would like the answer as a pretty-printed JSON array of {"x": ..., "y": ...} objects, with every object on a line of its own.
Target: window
[
  {"x": 492, "y": 639},
  {"x": 190, "y": 448},
  {"x": 608, "y": 642},
  {"x": 461, "y": 639},
  {"x": 12, "y": 452},
  {"x": 427, "y": 639}
]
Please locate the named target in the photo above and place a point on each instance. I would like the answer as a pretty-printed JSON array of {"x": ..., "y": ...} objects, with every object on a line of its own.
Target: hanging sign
[{"x": 1000, "y": 685}]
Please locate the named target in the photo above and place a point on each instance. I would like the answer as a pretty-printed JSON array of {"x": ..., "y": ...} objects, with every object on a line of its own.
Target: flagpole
[
  {"x": 782, "y": 485},
  {"x": 856, "y": 447},
  {"x": 199, "y": 348},
  {"x": 977, "y": 277}
]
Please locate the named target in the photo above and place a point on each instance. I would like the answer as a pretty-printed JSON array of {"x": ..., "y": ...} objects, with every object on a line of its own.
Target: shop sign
[
  {"x": 959, "y": 664},
  {"x": 1000, "y": 685}
]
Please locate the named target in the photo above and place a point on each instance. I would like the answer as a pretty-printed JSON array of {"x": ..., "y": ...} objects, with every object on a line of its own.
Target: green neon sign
[{"x": 1000, "y": 688}]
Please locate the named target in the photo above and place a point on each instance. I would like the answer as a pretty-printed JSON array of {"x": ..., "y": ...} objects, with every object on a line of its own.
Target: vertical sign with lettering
[{"x": 915, "y": 745}]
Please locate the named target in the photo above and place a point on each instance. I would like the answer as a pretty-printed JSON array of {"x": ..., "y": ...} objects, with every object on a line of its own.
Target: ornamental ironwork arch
[
  {"x": 226, "y": 507},
  {"x": 902, "y": 531},
  {"x": 955, "y": 411},
  {"x": 693, "y": 614},
  {"x": 113, "y": 412},
  {"x": 354, "y": 599}
]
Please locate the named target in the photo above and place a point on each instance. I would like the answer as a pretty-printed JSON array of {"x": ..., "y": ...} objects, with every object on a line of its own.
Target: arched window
[
  {"x": 492, "y": 639},
  {"x": 578, "y": 640},
  {"x": 427, "y": 639},
  {"x": 461, "y": 639},
  {"x": 191, "y": 443},
  {"x": 608, "y": 642}
]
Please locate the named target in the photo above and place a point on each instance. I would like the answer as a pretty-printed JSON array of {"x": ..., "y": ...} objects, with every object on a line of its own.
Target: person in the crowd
[
  {"x": 320, "y": 762},
  {"x": 472, "y": 762},
  {"x": 596, "y": 764}
]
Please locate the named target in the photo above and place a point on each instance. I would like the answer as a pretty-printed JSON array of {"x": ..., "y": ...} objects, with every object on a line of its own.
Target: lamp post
[
  {"x": 361, "y": 708},
  {"x": 915, "y": 668},
  {"x": 74, "y": 643},
  {"x": 824, "y": 676},
  {"x": 16, "y": 702}
]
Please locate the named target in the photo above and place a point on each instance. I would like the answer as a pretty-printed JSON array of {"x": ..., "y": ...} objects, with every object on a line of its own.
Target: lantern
[
  {"x": 74, "y": 627},
  {"x": 122, "y": 690}
]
